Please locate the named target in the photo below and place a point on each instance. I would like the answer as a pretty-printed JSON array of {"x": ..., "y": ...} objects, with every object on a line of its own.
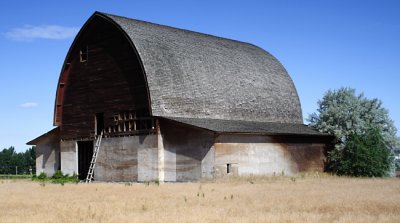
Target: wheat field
[{"x": 305, "y": 198}]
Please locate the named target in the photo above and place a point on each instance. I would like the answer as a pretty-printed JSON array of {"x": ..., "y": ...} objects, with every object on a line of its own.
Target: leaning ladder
[{"x": 89, "y": 177}]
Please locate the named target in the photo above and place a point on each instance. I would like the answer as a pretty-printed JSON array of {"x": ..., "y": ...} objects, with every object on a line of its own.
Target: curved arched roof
[{"x": 194, "y": 75}]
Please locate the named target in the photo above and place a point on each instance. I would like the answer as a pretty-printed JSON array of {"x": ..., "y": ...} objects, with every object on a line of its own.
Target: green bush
[
  {"x": 57, "y": 178},
  {"x": 42, "y": 176},
  {"x": 58, "y": 175},
  {"x": 365, "y": 155}
]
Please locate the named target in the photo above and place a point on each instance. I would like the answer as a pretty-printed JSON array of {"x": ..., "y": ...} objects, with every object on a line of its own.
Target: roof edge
[
  {"x": 313, "y": 132},
  {"x": 33, "y": 142}
]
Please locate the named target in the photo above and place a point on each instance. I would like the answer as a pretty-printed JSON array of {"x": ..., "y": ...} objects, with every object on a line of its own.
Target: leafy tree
[
  {"x": 347, "y": 116},
  {"x": 363, "y": 155}
]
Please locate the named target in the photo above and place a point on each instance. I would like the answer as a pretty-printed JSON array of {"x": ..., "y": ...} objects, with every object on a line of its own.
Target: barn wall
[
  {"x": 48, "y": 155},
  {"x": 267, "y": 155},
  {"x": 68, "y": 157},
  {"x": 132, "y": 158},
  {"x": 188, "y": 152}
]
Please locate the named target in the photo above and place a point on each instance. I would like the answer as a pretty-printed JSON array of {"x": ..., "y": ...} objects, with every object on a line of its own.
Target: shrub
[
  {"x": 58, "y": 175},
  {"x": 57, "y": 178},
  {"x": 42, "y": 176}
]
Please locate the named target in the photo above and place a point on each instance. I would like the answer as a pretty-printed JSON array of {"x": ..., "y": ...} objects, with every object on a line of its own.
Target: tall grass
[{"x": 304, "y": 198}]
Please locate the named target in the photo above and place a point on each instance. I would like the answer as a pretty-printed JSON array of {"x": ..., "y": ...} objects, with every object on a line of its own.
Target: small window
[
  {"x": 83, "y": 54},
  {"x": 228, "y": 168}
]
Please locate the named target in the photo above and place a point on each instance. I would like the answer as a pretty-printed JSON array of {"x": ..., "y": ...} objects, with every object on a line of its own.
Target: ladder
[{"x": 89, "y": 177}]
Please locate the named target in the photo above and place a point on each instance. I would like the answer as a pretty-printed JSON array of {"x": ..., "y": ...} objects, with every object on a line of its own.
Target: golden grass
[{"x": 262, "y": 199}]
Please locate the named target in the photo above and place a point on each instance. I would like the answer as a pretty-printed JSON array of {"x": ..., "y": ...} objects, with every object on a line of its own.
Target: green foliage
[
  {"x": 397, "y": 155},
  {"x": 342, "y": 113},
  {"x": 350, "y": 118},
  {"x": 12, "y": 162},
  {"x": 42, "y": 176},
  {"x": 57, "y": 178},
  {"x": 58, "y": 175},
  {"x": 363, "y": 155}
]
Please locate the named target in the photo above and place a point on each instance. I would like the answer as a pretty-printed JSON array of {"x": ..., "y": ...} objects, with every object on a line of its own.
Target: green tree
[
  {"x": 346, "y": 115},
  {"x": 363, "y": 155},
  {"x": 24, "y": 161}
]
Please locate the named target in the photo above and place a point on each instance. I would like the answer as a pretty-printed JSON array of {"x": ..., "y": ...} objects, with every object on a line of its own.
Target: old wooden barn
[{"x": 173, "y": 105}]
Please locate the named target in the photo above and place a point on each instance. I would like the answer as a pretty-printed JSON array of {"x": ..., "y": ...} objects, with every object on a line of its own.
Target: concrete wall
[
  {"x": 48, "y": 155},
  {"x": 183, "y": 153},
  {"x": 267, "y": 155},
  {"x": 132, "y": 158},
  {"x": 69, "y": 163},
  {"x": 188, "y": 153}
]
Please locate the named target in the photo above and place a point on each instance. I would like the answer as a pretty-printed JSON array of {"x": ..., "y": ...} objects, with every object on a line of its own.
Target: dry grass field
[{"x": 268, "y": 199}]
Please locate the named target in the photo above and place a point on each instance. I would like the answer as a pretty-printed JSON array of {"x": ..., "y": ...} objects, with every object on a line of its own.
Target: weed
[
  {"x": 42, "y": 176},
  {"x": 293, "y": 179},
  {"x": 58, "y": 175}
]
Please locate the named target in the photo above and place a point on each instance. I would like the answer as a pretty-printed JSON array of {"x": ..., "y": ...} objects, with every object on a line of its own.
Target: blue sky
[{"x": 323, "y": 45}]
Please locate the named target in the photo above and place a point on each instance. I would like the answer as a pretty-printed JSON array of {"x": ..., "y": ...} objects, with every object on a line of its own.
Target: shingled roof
[{"x": 194, "y": 75}]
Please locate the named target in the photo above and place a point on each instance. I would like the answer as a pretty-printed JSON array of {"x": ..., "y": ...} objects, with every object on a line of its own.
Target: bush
[
  {"x": 365, "y": 155},
  {"x": 58, "y": 175},
  {"x": 42, "y": 176},
  {"x": 57, "y": 178}
]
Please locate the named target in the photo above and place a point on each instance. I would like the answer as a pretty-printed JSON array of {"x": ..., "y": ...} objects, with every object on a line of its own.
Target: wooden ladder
[{"x": 89, "y": 177}]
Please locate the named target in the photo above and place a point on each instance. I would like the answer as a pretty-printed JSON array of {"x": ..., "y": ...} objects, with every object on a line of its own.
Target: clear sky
[{"x": 323, "y": 45}]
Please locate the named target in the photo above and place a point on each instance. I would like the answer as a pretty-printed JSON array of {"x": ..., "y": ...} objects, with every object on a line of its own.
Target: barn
[{"x": 168, "y": 104}]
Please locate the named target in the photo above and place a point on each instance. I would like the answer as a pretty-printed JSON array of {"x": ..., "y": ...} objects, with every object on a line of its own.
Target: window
[{"x": 83, "y": 54}]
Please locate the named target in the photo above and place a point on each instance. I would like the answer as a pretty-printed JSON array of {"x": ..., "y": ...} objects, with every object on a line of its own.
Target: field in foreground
[{"x": 270, "y": 199}]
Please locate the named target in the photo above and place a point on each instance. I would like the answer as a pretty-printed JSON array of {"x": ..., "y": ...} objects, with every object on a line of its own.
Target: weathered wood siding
[{"x": 109, "y": 81}]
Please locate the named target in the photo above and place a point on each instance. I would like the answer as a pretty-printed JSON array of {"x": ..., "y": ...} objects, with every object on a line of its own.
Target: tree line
[{"x": 12, "y": 162}]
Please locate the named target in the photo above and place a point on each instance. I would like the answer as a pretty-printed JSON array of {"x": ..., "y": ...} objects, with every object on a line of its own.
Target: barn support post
[{"x": 160, "y": 146}]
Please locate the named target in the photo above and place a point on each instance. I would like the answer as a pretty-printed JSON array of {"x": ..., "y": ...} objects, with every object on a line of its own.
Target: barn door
[{"x": 85, "y": 153}]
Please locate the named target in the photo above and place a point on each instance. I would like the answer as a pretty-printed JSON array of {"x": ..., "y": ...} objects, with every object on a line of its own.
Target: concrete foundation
[
  {"x": 69, "y": 158},
  {"x": 184, "y": 153},
  {"x": 188, "y": 153},
  {"x": 132, "y": 158},
  {"x": 48, "y": 154},
  {"x": 266, "y": 155}
]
